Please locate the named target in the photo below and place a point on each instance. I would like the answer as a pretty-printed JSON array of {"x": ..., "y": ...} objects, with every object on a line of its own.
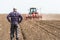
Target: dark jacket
[{"x": 14, "y": 18}]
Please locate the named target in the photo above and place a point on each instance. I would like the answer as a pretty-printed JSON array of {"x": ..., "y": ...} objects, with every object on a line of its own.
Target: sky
[{"x": 22, "y": 6}]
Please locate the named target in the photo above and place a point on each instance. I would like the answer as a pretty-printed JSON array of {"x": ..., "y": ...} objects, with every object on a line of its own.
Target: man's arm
[
  {"x": 8, "y": 18},
  {"x": 20, "y": 18}
]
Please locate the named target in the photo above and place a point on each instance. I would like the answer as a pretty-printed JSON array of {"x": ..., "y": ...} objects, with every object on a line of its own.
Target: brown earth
[{"x": 32, "y": 29}]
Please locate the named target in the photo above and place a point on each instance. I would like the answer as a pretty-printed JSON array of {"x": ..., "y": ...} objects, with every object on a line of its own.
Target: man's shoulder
[
  {"x": 18, "y": 13},
  {"x": 10, "y": 12}
]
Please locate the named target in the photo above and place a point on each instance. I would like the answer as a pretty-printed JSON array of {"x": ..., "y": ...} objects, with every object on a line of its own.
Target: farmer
[{"x": 14, "y": 18}]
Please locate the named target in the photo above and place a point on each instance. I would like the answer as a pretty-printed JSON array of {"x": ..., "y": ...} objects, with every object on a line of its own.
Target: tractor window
[{"x": 33, "y": 10}]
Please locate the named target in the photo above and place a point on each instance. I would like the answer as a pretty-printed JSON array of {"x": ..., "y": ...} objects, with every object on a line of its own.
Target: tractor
[{"x": 33, "y": 14}]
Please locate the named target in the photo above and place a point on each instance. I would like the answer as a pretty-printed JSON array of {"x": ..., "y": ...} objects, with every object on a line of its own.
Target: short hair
[{"x": 14, "y": 8}]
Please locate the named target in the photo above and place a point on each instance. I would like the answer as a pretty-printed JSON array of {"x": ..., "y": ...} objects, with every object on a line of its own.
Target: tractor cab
[{"x": 32, "y": 10}]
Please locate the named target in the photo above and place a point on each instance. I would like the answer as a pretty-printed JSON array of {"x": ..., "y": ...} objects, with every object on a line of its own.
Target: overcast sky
[{"x": 46, "y": 6}]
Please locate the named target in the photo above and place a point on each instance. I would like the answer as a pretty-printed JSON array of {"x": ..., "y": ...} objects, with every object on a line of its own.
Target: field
[{"x": 32, "y": 29}]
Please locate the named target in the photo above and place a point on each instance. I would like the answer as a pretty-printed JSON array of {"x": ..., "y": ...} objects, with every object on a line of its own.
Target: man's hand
[
  {"x": 8, "y": 18},
  {"x": 20, "y": 18}
]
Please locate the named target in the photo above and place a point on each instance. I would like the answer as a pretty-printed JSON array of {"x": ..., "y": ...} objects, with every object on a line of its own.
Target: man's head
[{"x": 14, "y": 9}]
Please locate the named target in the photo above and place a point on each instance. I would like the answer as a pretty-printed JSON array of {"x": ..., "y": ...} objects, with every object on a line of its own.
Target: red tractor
[{"x": 33, "y": 14}]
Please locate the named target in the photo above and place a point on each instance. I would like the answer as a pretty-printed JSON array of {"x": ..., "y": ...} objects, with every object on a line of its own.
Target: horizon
[{"x": 38, "y": 13}]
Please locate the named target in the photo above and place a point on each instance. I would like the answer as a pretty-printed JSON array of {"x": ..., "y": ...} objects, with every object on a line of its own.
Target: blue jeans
[{"x": 14, "y": 29}]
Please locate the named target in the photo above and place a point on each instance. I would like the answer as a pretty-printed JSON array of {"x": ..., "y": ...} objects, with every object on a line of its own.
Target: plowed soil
[{"x": 31, "y": 29}]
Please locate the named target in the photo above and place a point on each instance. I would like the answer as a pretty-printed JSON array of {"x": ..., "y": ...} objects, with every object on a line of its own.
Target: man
[{"x": 14, "y": 18}]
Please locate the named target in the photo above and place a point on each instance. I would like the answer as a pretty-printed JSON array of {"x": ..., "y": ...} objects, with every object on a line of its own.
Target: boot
[
  {"x": 17, "y": 39},
  {"x": 11, "y": 38}
]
